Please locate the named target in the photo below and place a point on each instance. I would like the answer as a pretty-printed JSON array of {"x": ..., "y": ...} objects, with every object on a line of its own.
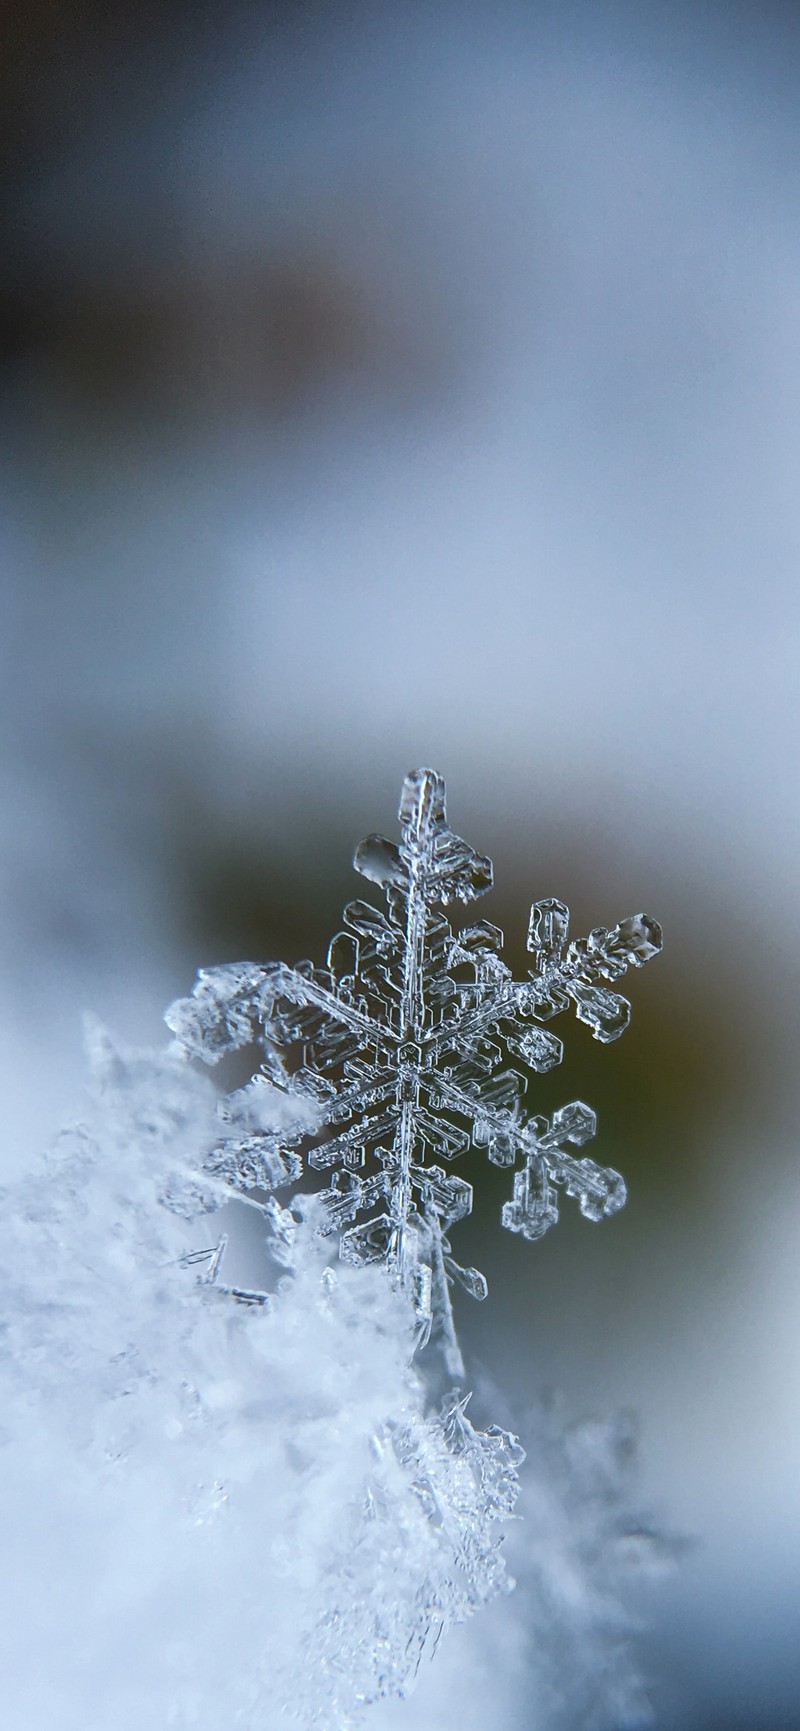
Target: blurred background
[{"x": 398, "y": 384}]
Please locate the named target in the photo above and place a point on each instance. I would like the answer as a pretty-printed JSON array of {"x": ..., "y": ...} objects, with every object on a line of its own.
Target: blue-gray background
[{"x": 421, "y": 384}]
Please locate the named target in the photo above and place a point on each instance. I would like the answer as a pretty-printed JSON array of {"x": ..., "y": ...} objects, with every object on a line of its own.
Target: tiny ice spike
[{"x": 395, "y": 1066}]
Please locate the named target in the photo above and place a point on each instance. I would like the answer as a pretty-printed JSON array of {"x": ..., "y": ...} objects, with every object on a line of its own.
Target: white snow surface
[{"x": 214, "y": 1513}]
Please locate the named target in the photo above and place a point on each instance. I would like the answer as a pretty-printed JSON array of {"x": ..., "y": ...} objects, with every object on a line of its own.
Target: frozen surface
[{"x": 215, "y": 1512}]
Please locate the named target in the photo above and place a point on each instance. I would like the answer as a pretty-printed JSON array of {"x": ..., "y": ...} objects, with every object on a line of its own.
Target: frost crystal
[
  {"x": 255, "y": 1500},
  {"x": 391, "y": 1060}
]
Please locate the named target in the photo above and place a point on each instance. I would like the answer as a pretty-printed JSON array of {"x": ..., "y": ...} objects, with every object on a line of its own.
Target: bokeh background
[{"x": 386, "y": 385}]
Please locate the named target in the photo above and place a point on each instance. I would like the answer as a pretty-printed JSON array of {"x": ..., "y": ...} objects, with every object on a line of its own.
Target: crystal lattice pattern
[{"x": 393, "y": 1059}]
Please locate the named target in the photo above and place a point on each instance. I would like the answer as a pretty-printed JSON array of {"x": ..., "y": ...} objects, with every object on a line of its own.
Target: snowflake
[{"x": 391, "y": 1060}]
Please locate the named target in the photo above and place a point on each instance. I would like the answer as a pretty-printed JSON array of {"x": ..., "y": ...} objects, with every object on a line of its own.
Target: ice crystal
[
  {"x": 393, "y": 1059},
  {"x": 257, "y": 1497},
  {"x": 256, "y": 1500}
]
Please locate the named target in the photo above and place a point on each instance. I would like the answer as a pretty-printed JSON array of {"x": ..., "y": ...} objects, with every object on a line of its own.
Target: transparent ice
[{"x": 399, "y": 1046}]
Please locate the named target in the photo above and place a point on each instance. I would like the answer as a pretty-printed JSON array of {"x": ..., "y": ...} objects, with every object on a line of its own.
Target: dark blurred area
[{"x": 386, "y": 385}]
